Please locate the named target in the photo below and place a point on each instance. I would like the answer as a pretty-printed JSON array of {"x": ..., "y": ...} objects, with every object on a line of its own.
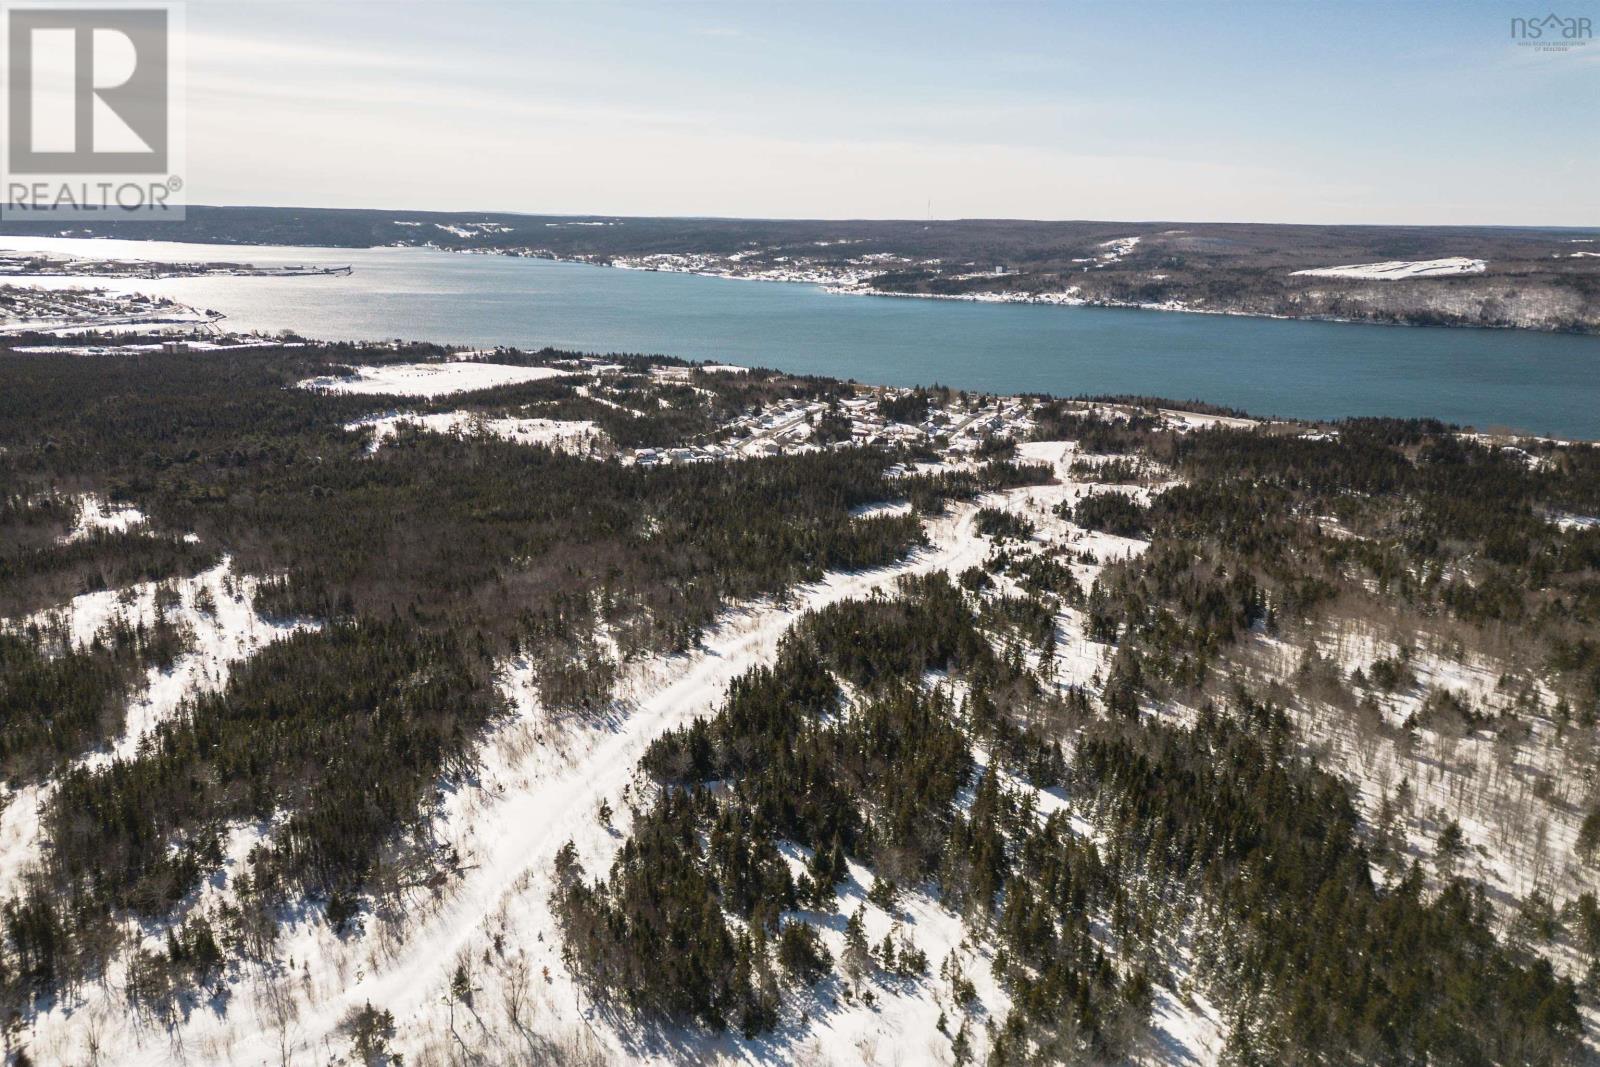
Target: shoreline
[
  {"x": 837, "y": 287},
  {"x": 175, "y": 320},
  {"x": 1064, "y": 299}
]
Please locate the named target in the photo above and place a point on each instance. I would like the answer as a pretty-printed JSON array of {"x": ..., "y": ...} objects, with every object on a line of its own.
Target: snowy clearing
[
  {"x": 874, "y": 511},
  {"x": 429, "y": 379},
  {"x": 577, "y": 437},
  {"x": 1576, "y": 522},
  {"x": 1193, "y": 420},
  {"x": 680, "y": 374},
  {"x": 1392, "y": 269},
  {"x": 95, "y": 514},
  {"x": 1116, "y": 249}
]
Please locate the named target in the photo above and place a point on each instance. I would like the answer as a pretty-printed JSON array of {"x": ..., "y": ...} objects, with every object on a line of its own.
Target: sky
[{"x": 1330, "y": 111}]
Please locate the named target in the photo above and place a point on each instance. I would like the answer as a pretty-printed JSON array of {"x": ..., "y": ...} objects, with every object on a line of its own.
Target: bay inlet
[{"x": 1489, "y": 379}]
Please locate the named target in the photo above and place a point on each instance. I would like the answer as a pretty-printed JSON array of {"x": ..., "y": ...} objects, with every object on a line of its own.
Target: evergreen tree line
[
  {"x": 1313, "y": 955},
  {"x": 58, "y": 699},
  {"x": 341, "y": 734},
  {"x": 1268, "y": 528},
  {"x": 1216, "y": 835},
  {"x": 785, "y": 763}
]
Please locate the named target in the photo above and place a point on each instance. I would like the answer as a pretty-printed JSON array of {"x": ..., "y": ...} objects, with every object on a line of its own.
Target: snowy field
[
  {"x": 96, "y": 515},
  {"x": 1393, "y": 269},
  {"x": 577, "y": 437},
  {"x": 429, "y": 379}
]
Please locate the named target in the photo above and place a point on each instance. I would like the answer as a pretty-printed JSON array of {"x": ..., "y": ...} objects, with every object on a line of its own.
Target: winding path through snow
[{"x": 523, "y": 830}]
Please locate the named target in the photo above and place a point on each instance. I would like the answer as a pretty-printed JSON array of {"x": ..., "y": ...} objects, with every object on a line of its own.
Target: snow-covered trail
[{"x": 529, "y": 826}]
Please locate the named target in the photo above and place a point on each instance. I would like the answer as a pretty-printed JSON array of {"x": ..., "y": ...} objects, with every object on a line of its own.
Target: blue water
[{"x": 1537, "y": 383}]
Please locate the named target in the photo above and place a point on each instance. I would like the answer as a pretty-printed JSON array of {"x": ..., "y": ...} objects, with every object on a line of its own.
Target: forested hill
[{"x": 1006, "y": 239}]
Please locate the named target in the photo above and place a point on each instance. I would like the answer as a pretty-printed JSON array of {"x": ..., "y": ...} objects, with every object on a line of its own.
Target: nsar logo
[{"x": 1553, "y": 33}]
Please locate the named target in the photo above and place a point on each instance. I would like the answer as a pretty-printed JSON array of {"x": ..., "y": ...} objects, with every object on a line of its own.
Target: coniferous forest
[{"x": 1117, "y": 719}]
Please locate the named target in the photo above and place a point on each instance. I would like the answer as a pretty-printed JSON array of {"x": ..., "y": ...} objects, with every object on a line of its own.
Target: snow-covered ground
[
  {"x": 1191, "y": 420},
  {"x": 1399, "y": 268},
  {"x": 542, "y": 780},
  {"x": 579, "y": 437},
  {"x": 429, "y": 379},
  {"x": 1116, "y": 249},
  {"x": 543, "y": 777},
  {"x": 225, "y": 343},
  {"x": 540, "y": 785},
  {"x": 1576, "y": 522},
  {"x": 469, "y": 229},
  {"x": 95, "y": 514},
  {"x": 682, "y": 374},
  {"x": 1515, "y": 780},
  {"x": 214, "y": 608},
  {"x": 875, "y": 511}
]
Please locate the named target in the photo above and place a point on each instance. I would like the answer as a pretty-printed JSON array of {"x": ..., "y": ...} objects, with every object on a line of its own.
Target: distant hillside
[{"x": 1544, "y": 279}]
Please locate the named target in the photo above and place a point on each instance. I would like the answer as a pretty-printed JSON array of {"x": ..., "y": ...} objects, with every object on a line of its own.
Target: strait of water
[{"x": 1536, "y": 383}]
